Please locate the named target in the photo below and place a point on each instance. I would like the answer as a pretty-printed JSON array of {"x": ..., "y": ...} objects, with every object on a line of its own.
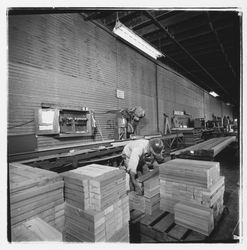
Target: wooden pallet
[{"x": 160, "y": 227}]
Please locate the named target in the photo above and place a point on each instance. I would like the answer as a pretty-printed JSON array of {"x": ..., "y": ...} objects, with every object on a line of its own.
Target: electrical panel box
[
  {"x": 75, "y": 122},
  {"x": 47, "y": 121},
  {"x": 64, "y": 122}
]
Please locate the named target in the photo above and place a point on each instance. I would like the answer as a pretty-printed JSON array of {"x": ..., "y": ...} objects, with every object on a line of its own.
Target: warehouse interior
[{"x": 79, "y": 94}]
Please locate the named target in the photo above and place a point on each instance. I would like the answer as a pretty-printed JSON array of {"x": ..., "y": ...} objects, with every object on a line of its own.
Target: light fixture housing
[
  {"x": 128, "y": 35},
  {"x": 212, "y": 93}
]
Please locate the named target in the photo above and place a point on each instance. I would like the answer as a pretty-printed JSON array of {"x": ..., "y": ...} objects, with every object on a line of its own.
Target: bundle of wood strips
[
  {"x": 33, "y": 193},
  {"x": 97, "y": 206},
  {"x": 195, "y": 187}
]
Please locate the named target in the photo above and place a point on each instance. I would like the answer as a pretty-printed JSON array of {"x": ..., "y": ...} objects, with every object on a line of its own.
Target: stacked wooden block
[
  {"x": 193, "y": 191},
  {"x": 152, "y": 194},
  {"x": 150, "y": 201},
  {"x": 97, "y": 207},
  {"x": 33, "y": 193}
]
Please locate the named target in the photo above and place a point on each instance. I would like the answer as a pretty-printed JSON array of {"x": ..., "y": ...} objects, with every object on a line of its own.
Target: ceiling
[{"x": 204, "y": 46}]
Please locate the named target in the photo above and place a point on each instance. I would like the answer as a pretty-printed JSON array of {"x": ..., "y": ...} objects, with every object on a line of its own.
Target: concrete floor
[{"x": 230, "y": 168}]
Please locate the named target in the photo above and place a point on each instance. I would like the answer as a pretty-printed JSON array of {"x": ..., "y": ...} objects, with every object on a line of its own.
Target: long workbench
[{"x": 206, "y": 150}]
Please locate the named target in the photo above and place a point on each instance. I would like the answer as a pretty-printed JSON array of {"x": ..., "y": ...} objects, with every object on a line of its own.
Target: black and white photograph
[{"x": 124, "y": 125}]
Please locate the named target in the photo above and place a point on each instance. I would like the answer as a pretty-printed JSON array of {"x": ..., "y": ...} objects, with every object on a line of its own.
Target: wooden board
[{"x": 35, "y": 230}]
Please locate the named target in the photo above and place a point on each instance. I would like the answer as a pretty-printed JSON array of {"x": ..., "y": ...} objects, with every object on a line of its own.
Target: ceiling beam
[
  {"x": 215, "y": 32},
  {"x": 148, "y": 22},
  {"x": 98, "y": 15},
  {"x": 123, "y": 16},
  {"x": 160, "y": 26},
  {"x": 179, "y": 17},
  {"x": 194, "y": 48},
  {"x": 186, "y": 37}
]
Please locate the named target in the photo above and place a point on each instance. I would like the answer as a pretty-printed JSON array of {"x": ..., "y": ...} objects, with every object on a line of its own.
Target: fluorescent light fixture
[
  {"x": 128, "y": 35},
  {"x": 212, "y": 93}
]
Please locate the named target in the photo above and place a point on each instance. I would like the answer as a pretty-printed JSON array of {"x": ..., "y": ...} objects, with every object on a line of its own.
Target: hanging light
[
  {"x": 212, "y": 93},
  {"x": 128, "y": 35}
]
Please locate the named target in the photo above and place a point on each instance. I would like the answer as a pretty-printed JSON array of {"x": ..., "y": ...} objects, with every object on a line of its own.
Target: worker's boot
[{"x": 135, "y": 184}]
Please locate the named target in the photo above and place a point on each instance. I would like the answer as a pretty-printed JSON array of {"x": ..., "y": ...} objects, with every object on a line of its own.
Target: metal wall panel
[
  {"x": 136, "y": 77},
  {"x": 63, "y": 60},
  {"x": 177, "y": 93}
]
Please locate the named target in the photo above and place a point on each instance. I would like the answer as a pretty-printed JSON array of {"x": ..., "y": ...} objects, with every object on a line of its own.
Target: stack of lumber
[
  {"x": 35, "y": 229},
  {"x": 150, "y": 201},
  {"x": 97, "y": 207},
  {"x": 191, "y": 136},
  {"x": 195, "y": 217},
  {"x": 136, "y": 202},
  {"x": 206, "y": 149},
  {"x": 35, "y": 192},
  {"x": 152, "y": 194},
  {"x": 94, "y": 186},
  {"x": 196, "y": 184}
]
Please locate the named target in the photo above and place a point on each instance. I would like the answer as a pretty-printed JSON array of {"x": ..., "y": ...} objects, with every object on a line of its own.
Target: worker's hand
[{"x": 138, "y": 190}]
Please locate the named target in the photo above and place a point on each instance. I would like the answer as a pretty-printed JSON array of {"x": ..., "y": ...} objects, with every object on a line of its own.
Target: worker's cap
[
  {"x": 139, "y": 112},
  {"x": 156, "y": 146}
]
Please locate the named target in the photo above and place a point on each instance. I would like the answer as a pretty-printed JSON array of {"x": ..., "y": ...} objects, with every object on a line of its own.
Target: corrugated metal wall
[
  {"x": 63, "y": 60},
  {"x": 136, "y": 77},
  {"x": 177, "y": 93}
]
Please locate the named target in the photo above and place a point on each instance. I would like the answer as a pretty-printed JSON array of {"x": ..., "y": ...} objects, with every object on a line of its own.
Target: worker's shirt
[{"x": 133, "y": 152}]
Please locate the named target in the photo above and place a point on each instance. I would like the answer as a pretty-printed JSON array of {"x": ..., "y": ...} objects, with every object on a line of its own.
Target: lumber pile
[
  {"x": 152, "y": 194},
  {"x": 150, "y": 201},
  {"x": 207, "y": 149},
  {"x": 191, "y": 136},
  {"x": 35, "y": 229},
  {"x": 192, "y": 189},
  {"x": 197, "y": 218},
  {"x": 33, "y": 193},
  {"x": 97, "y": 207}
]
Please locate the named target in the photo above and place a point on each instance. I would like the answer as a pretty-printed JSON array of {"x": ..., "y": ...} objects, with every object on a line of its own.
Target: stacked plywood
[
  {"x": 35, "y": 230},
  {"x": 194, "y": 184},
  {"x": 97, "y": 207},
  {"x": 35, "y": 192}
]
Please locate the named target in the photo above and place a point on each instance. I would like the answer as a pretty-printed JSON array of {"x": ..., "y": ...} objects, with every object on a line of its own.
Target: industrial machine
[{"x": 127, "y": 121}]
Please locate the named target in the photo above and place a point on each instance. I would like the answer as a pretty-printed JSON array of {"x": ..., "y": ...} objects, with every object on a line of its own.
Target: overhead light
[
  {"x": 212, "y": 93},
  {"x": 228, "y": 103},
  {"x": 128, "y": 35}
]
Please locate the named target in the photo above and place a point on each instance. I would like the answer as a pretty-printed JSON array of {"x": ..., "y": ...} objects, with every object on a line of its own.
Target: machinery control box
[{"x": 64, "y": 122}]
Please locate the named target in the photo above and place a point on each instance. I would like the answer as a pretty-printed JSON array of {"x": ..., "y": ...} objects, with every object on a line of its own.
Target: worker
[{"x": 138, "y": 156}]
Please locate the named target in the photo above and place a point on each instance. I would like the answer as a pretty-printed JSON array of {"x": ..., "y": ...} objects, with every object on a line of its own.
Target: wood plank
[
  {"x": 177, "y": 232},
  {"x": 35, "y": 230},
  {"x": 35, "y": 191},
  {"x": 195, "y": 237}
]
